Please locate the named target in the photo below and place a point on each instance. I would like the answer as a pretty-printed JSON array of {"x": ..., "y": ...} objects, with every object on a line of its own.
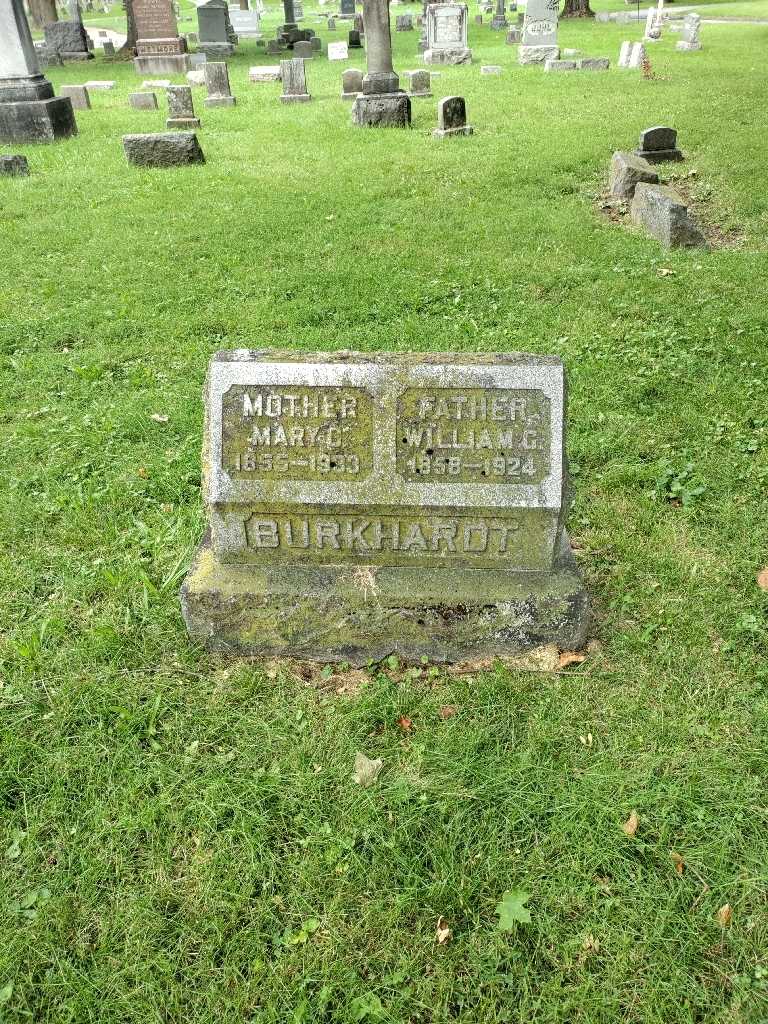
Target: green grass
[{"x": 182, "y": 838}]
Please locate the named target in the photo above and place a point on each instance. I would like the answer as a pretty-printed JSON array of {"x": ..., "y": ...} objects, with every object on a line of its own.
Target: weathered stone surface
[
  {"x": 362, "y": 505},
  {"x": 303, "y": 49},
  {"x": 636, "y": 56},
  {"x": 627, "y": 170},
  {"x": 491, "y": 69},
  {"x": 351, "y": 83},
  {"x": 537, "y": 54},
  {"x": 97, "y": 84},
  {"x": 452, "y": 118},
  {"x": 163, "y": 149},
  {"x": 265, "y": 73},
  {"x": 540, "y": 24},
  {"x": 691, "y": 30},
  {"x": 45, "y": 120},
  {"x": 404, "y": 23},
  {"x": 382, "y": 110},
  {"x": 593, "y": 64},
  {"x": 294, "y": 78},
  {"x": 663, "y": 214},
  {"x": 446, "y": 34},
  {"x": 624, "y": 54},
  {"x": 67, "y": 40},
  {"x": 108, "y": 48},
  {"x": 13, "y": 166},
  {"x": 659, "y": 144},
  {"x": 217, "y": 85},
  {"x": 181, "y": 110},
  {"x": 559, "y": 65},
  {"x": 143, "y": 100},
  {"x": 78, "y": 96},
  {"x": 196, "y": 76},
  {"x": 419, "y": 83},
  {"x": 513, "y": 36},
  {"x": 159, "y": 47}
]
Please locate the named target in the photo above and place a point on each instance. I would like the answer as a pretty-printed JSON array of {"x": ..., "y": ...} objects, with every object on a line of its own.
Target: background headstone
[
  {"x": 78, "y": 96},
  {"x": 216, "y": 37},
  {"x": 351, "y": 83},
  {"x": 163, "y": 149},
  {"x": 142, "y": 100},
  {"x": 659, "y": 144},
  {"x": 452, "y": 118},
  {"x": 446, "y": 34},
  {"x": 181, "y": 110},
  {"x": 159, "y": 47},
  {"x": 217, "y": 85},
  {"x": 294, "y": 79},
  {"x": 13, "y": 166},
  {"x": 691, "y": 30},
  {"x": 539, "y": 36}
]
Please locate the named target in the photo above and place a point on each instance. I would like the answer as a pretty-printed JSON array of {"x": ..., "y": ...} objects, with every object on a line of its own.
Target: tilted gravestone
[
  {"x": 446, "y": 34},
  {"x": 67, "y": 40},
  {"x": 361, "y": 505},
  {"x": 539, "y": 36},
  {"x": 664, "y": 214}
]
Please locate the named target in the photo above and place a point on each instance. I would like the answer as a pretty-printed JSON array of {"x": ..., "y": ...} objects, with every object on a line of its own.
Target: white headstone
[
  {"x": 624, "y": 54},
  {"x": 338, "y": 51},
  {"x": 17, "y": 53},
  {"x": 637, "y": 56},
  {"x": 540, "y": 23}
]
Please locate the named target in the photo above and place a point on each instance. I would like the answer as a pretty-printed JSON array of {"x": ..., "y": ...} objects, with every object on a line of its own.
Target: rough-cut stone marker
[
  {"x": 159, "y": 47},
  {"x": 303, "y": 50},
  {"x": 78, "y": 96},
  {"x": 452, "y": 118},
  {"x": 163, "y": 149},
  {"x": 29, "y": 112},
  {"x": 446, "y": 34},
  {"x": 351, "y": 83},
  {"x": 143, "y": 100},
  {"x": 593, "y": 64},
  {"x": 663, "y": 214},
  {"x": 559, "y": 65},
  {"x": 659, "y": 144},
  {"x": 363, "y": 504},
  {"x": 539, "y": 37},
  {"x": 294, "y": 79},
  {"x": 265, "y": 73},
  {"x": 419, "y": 83},
  {"x": 217, "y": 85},
  {"x": 67, "y": 40},
  {"x": 627, "y": 171},
  {"x": 13, "y": 166},
  {"x": 491, "y": 69},
  {"x": 181, "y": 110}
]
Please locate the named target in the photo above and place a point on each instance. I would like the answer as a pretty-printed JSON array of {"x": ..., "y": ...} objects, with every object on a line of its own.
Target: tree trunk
[
  {"x": 577, "y": 9},
  {"x": 43, "y": 12},
  {"x": 128, "y": 50}
]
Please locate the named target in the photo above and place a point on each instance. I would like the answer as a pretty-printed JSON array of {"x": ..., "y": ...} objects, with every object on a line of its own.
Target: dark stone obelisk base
[
  {"x": 382, "y": 109},
  {"x": 29, "y": 112},
  {"x": 321, "y": 613},
  {"x": 381, "y": 103}
]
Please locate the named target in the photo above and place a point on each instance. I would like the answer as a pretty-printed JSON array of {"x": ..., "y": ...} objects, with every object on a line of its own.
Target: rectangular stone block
[
  {"x": 142, "y": 100},
  {"x": 593, "y": 64},
  {"x": 46, "y": 120},
  {"x": 559, "y": 65},
  {"x": 662, "y": 212},
  {"x": 363, "y": 503},
  {"x": 13, "y": 166},
  {"x": 163, "y": 149},
  {"x": 78, "y": 96},
  {"x": 382, "y": 110},
  {"x": 264, "y": 73}
]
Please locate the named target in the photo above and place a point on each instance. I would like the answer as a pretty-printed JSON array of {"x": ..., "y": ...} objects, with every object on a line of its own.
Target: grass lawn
[{"x": 181, "y": 836}]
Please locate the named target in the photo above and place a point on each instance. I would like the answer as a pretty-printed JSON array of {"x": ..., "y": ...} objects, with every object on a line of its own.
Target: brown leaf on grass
[
  {"x": 570, "y": 658},
  {"x": 159, "y": 417},
  {"x": 666, "y": 272},
  {"x": 405, "y": 724},
  {"x": 678, "y": 861},
  {"x": 142, "y": 472},
  {"x": 447, "y": 711},
  {"x": 762, "y": 578},
  {"x": 591, "y": 944},
  {"x": 630, "y": 825},
  {"x": 366, "y": 769},
  {"x": 443, "y": 933},
  {"x": 724, "y": 915}
]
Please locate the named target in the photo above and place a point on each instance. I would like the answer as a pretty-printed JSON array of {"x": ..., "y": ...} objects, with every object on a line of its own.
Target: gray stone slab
[
  {"x": 142, "y": 100},
  {"x": 593, "y": 64},
  {"x": 662, "y": 212},
  {"x": 559, "y": 65},
  {"x": 294, "y": 79},
  {"x": 264, "y": 73},
  {"x": 382, "y": 110},
  {"x": 13, "y": 166},
  {"x": 537, "y": 54},
  {"x": 627, "y": 171},
  {"x": 217, "y": 85},
  {"x": 78, "y": 96},
  {"x": 360, "y": 504},
  {"x": 163, "y": 149},
  {"x": 47, "y": 120}
]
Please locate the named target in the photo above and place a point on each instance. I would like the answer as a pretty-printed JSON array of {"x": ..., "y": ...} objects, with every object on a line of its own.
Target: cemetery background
[{"x": 182, "y": 836}]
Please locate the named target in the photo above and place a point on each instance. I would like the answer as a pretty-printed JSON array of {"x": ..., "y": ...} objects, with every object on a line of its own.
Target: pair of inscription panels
[{"x": 385, "y": 460}]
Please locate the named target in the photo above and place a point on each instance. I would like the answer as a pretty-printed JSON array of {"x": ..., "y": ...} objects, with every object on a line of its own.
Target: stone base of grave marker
[
  {"x": 382, "y": 110},
  {"x": 216, "y": 51},
  {"x": 361, "y": 506},
  {"x": 459, "y": 55},
  {"x": 162, "y": 64},
  {"x": 29, "y": 112},
  {"x": 13, "y": 166},
  {"x": 537, "y": 54}
]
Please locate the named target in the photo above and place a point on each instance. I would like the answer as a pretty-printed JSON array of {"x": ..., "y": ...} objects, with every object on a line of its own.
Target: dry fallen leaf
[
  {"x": 447, "y": 711},
  {"x": 366, "y": 770},
  {"x": 666, "y": 272},
  {"x": 142, "y": 472},
  {"x": 443, "y": 933},
  {"x": 159, "y": 417},
  {"x": 762, "y": 578},
  {"x": 678, "y": 861},
  {"x": 591, "y": 944},
  {"x": 630, "y": 825},
  {"x": 570, "y": 658},
  {"x": 724, "y": 915},
  {"x": 405, "y": 723}
]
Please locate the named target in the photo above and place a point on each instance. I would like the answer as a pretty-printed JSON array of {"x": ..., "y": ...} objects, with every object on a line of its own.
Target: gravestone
[
  {"x": 29, "y": 112},
  {"x": 347, "y": 8},
  {"x": 658, "y": 144},
  {"x": 142, "y": 100},
  {"x": 156, "y": 83},
  {"x": 559, "y": 65},
  {"x": 382, "y": 103},
  {"x": 404, "y": 23},
  {"x": 351, "y": 83},
  {"x": 662, "y": 212},
  {"x": 539, "y": 36},
  {"x": 491, "y": 69},
  {"x": 513, "y": 36},
  {"x": 316, "y": 44},
  {"x": 353, "y": 40},
  {"x": 217, "y": 85},
  {"x": 163, "y": 149},
  {"x": 627, "y": 171},
  {"x": 67, "y": 40},
  {"x": 419, "y": 83},
  {"x": 499, "y": 21},
  {"x": 215, "y": 33},
  {"x": 265, "y": 73},
  {"x": 99, "y": 84},
  {"x": 109, "y": 48},
  {"x": 478, "y": 19},
  {"x": 654, "y": 22},
  {"x": 196, "y": 76},
  {"x": 331, "y": 24},
  {"x": 636, "y": 56},
  {"x": 245, "y": 24},
  {"x": 273, "y": 47},
  {"x": 446, "y": 34},
  {"x": 13, "y": 166},
  {"x": 624, "y": 53},
  {"x": 181, "y": 110},
  {"x": 294, "y": 78},
  {"x": 78, "y": 96},
  {"x": 691, "y": 30},
  {"x": 362, "y": 505},
  {"x": 452, "y": 118},
  {"x": 159, "y": 47},
  {"x": 593, "y": 64},
  {"x": 303, "y": 49}
]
